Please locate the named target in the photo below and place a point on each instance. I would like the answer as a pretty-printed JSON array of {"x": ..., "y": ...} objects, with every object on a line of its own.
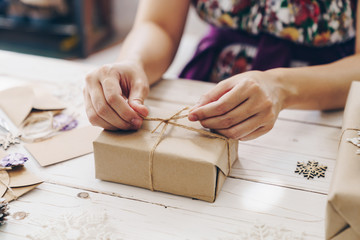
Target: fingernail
[
  {"x": 136, "y": 122},
  {"x": 138, "y": 101},
  {"x": 193, "y": 117}
]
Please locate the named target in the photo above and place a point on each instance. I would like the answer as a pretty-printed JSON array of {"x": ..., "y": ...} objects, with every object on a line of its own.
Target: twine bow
[{"x": 172, "y": 120}]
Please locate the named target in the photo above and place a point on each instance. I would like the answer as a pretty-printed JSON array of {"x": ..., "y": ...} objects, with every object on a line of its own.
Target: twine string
[
  {"x": 5, "y": 168},
  {"x": 171, "y": 120},
  {"x": 36, "y": 135}
]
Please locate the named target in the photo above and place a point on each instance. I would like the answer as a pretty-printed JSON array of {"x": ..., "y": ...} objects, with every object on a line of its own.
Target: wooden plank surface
[
  {"x": 262, "y": 185},
  {"x": 237, "y": 209}
]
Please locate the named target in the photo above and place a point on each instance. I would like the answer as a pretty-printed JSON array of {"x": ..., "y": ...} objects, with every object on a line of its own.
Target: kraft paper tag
[{"x": 65, "y": 146}]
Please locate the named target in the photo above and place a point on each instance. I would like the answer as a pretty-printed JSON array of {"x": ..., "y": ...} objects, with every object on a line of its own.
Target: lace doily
[
  {"x": 262, "y": 231},
  {"x": 82, "y": 225}
]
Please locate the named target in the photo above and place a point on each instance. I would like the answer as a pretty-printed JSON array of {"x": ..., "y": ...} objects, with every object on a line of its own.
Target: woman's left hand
[{"x": 242, "y": 107}]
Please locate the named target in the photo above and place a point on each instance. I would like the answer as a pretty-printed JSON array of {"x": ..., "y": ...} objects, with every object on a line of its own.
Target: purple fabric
[
  {"x": 13, "y": 160},
  {"x": 272, "y": 52},
  {"x": 64, "y": 122}
]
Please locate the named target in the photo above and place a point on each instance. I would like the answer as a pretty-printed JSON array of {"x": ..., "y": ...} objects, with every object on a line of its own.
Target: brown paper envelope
[
  {"x": 64, "y": 146},
  {"x": 20, "y": 181},
  {"x": 347, "y": 234},
  {"x": 343, "y": 208},
  {"x": 45, "y": 101},
  {"x": 18, "y": 102}
]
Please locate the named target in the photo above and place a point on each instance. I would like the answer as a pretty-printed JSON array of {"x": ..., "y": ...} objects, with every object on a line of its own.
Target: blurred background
[{"x": 88, "y": 31}]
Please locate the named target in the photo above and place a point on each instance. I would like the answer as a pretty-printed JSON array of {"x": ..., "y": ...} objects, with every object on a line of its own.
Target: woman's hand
[
  {"x": 242, "y": 107},
  {"x": 114, "y": 96}
]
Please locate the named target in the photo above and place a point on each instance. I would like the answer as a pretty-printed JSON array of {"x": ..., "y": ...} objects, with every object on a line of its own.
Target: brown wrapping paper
[
  {"x": 185, "y": 163},
  {"x": 343, "y": 208}
]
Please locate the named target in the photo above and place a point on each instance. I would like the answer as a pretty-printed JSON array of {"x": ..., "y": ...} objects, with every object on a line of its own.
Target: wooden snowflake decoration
[
  {"x": 9, "y": 139},
  {"x": 311, "y": 169}
]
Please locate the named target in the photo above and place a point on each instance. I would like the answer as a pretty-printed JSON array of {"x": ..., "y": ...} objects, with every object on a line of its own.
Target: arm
[
  {"x": 115, "y": 93},
  {"x": 321, "y": 87},
  {"x": 246, "y": 106},
  {"x": 155, "y": 36}
]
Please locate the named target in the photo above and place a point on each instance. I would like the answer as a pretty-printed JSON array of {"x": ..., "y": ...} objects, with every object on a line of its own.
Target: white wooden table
[{"x": 262, "y": 187}]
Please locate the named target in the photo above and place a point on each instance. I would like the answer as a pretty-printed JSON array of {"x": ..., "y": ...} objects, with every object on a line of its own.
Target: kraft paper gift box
[
  {"x": 343, "y": 207},
  {"x": 184, "y": 162}
]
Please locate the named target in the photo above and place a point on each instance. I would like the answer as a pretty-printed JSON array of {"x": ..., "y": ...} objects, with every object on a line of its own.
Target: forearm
[
  {"x": 150, "y": 47},
  {"x": 318, "y": 87},
  {"x": 155, "y": 37}
]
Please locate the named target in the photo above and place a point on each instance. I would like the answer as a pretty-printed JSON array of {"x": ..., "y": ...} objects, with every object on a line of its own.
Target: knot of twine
[{"x": 172, "y": 121}]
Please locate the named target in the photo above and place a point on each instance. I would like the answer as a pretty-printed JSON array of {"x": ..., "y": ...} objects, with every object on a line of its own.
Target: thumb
[{"x": 137, "y": 96}]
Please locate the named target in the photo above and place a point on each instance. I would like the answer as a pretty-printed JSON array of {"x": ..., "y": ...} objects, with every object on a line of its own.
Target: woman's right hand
[{"x": 114, "y": 96}]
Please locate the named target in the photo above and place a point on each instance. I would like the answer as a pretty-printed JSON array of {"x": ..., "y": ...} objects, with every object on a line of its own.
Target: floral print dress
[{"x": 312, "y": 23}]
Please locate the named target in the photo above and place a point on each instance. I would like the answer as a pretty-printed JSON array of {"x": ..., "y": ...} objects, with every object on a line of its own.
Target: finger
[
  {"x": 213, "y": 95},
  {"x": 257, "y": 133},
  {"x": 233, "y": 117},
  {"x": 113, "y": 96},
  {"x": 243, "y": 129},
  {"x": 103, "y": 110},
  {"x": 138, "y": 93},
  {"x": 224, "y": 104},
  {"x": 92, "y": 116}
]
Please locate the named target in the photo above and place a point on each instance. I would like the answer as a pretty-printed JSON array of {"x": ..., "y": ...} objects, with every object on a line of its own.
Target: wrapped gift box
[
  {"x": 343, "y": 207},
  {"x": 184, "y": 162}
]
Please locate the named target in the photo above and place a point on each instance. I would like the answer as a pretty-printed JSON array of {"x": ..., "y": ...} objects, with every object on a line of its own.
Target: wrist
[
  {"x": 131, "y": 60},
  {"x": 287, "y": 91},
  {"x": 135, "y": 67}
]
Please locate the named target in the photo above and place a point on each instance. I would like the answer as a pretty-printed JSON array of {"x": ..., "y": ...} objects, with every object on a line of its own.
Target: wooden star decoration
[
  {"x": 311, "y": 169},
  {"x": 9, "y": 139}
]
